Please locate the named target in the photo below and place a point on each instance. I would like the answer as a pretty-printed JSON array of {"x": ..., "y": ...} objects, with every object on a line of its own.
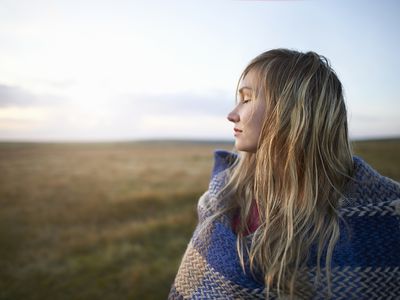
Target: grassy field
[{"x": 108, "y": 221}]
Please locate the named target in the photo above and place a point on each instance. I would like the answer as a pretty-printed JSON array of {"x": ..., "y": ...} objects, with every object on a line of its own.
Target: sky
[{"x": 126, "y": 70}]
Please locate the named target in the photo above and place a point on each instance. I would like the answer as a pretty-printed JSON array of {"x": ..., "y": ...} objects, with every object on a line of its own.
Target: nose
[{"x": 233, "y": 117}]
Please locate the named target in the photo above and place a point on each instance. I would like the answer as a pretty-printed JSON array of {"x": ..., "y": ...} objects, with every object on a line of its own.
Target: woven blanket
[{"x": 365, "y": 262}]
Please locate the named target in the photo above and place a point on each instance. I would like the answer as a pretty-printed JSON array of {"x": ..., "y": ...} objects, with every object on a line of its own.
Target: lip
[{"x": 237, "y": 131}]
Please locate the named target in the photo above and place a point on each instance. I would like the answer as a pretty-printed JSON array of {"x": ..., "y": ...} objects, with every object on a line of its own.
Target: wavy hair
[{"x": 298, "y": 173}]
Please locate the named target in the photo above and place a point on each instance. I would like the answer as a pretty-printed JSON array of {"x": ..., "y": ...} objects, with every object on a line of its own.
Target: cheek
[
  {"x": 249, "y": 114},
  {"x": 244, "y": 115},
  {"x": 258, "y": 122}
]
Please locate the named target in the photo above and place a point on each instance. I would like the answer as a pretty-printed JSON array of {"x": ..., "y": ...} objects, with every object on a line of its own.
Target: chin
[{"x": 245, "y": 148}]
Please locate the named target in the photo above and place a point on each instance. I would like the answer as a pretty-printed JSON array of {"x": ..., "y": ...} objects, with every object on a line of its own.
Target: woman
[{"x": 292, "y": 214}]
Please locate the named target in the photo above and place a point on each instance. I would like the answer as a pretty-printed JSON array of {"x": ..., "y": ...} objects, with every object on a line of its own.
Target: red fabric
[{"x": 252, "y": 222}]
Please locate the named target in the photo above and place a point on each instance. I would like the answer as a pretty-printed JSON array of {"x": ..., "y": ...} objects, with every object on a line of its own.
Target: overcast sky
[{"x": 122, "y": 70}]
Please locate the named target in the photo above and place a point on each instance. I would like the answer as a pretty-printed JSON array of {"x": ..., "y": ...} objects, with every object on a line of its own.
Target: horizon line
[{"x": 155, "y": 140}]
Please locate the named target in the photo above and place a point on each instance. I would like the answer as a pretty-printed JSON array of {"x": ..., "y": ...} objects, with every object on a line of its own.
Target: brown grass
[{"x": 108, "y": 221}]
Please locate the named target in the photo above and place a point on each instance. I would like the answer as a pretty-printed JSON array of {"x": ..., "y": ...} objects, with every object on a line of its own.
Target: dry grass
[
  {"x": 383, "y": 155},
  {"x": 107, "y": 221}
]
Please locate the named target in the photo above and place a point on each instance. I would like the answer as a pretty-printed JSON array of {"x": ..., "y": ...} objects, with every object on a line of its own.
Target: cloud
[
  {"x": 371, "y": 125},
  {"x": 24, "y": 115},
  {"x": 61, "y": 84},
  {"x": 186, "y": 103},
  {"x": 16, "y": 96}
]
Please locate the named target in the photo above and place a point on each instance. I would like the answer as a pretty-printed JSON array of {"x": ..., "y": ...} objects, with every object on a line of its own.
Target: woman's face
[{"x": 247, "y": 116}]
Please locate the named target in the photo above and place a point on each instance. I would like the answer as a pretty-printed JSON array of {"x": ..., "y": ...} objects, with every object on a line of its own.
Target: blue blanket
[{"x": 365, "y": 262}]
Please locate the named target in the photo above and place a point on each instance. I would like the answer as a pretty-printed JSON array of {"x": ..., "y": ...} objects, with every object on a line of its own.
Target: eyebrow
[{"x": 244, "y": 88}]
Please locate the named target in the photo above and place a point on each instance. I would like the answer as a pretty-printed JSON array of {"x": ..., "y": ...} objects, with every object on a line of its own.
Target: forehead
[{"x": 247, "y": 84}]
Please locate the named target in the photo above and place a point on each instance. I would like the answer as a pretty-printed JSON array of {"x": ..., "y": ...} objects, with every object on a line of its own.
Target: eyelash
[{"x": 245, "y": 101}]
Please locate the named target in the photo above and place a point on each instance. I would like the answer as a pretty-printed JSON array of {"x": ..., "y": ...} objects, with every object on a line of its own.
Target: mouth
[{"x": 237, "y": 131}]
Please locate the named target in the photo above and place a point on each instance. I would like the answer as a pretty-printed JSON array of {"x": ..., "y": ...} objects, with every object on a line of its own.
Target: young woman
[{"x": 291, "y": 213}]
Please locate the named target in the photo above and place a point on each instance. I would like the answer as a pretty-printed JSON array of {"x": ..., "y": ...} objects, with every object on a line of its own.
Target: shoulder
[
  {"x": 223, "y": 159},
  {"x": 367, "y": 186},
  {"x": 369, "y": 193},
  {"x": 370, "y": 218}
]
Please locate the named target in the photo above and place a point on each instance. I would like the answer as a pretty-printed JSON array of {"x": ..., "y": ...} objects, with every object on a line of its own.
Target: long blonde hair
[{"x": 298, "y": 172}]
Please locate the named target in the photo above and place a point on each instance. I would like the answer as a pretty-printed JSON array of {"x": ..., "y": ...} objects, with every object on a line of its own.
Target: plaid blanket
[{"x": 365, "y": 262}]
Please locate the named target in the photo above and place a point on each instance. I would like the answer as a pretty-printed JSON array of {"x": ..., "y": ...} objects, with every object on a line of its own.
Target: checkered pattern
[{"x": 365, "y": 262}]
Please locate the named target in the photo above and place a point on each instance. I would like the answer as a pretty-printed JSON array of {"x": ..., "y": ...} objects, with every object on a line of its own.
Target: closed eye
[{"x": 246, "y": 100}]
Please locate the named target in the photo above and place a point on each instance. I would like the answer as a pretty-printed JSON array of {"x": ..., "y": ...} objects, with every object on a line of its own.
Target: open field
[{"x": 108, "y": 221}]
